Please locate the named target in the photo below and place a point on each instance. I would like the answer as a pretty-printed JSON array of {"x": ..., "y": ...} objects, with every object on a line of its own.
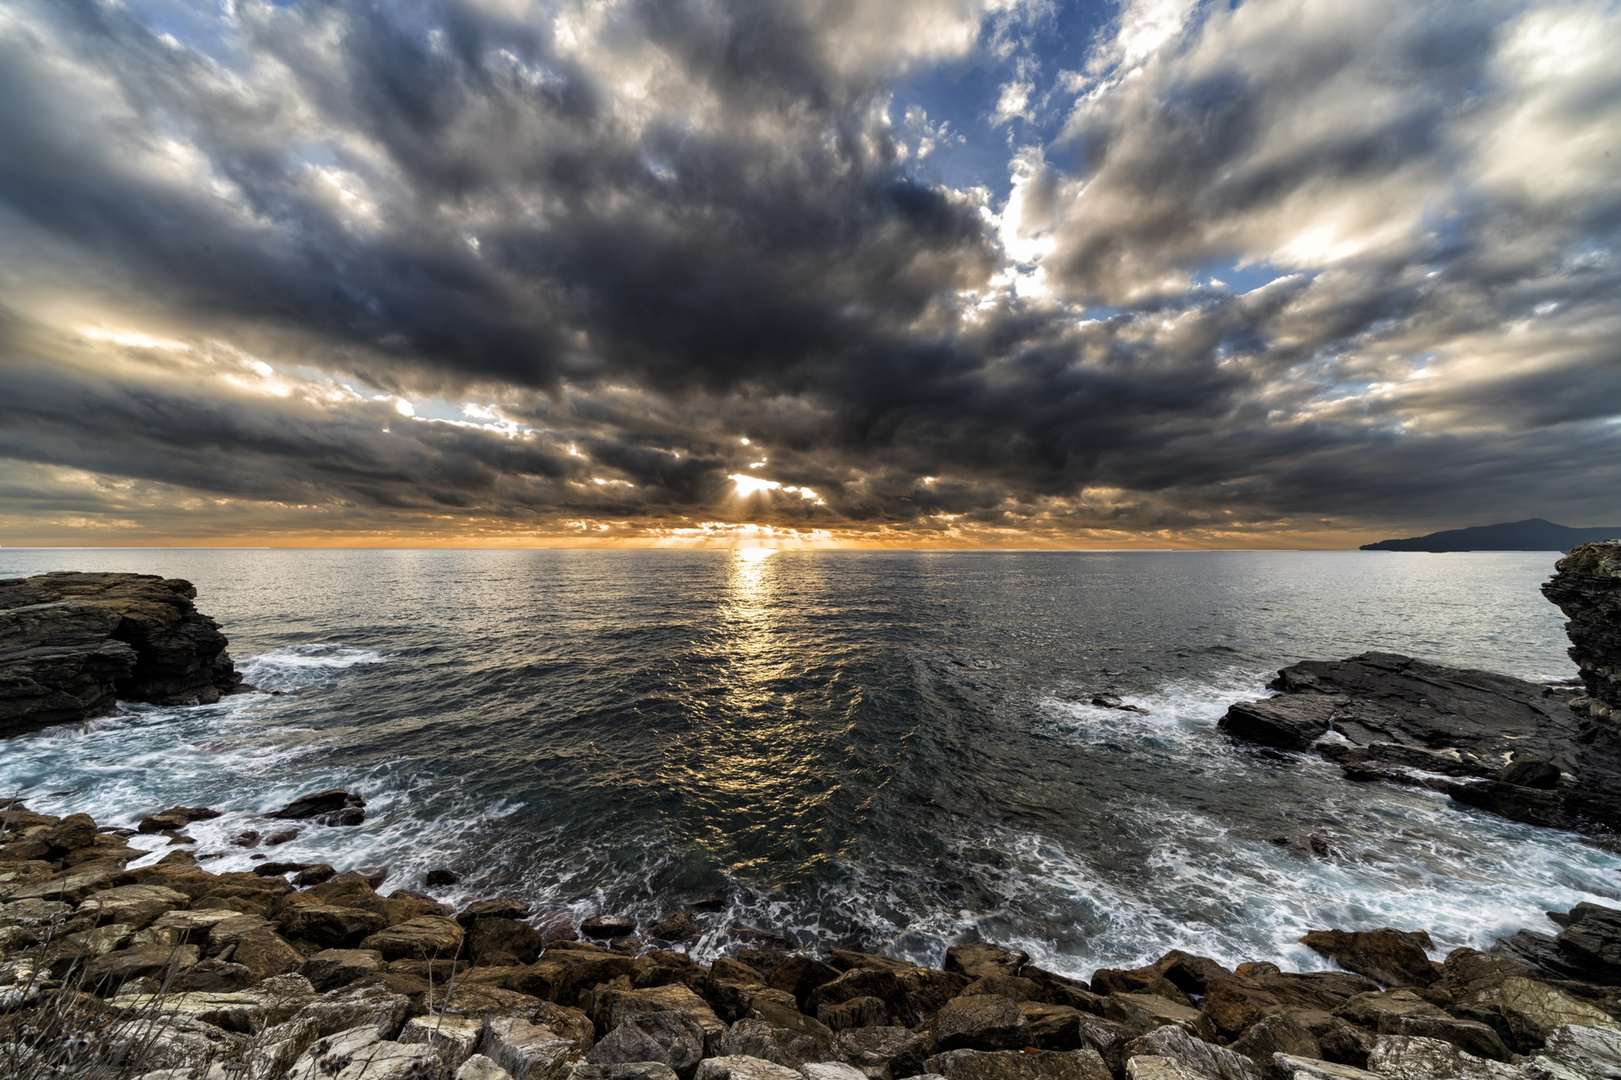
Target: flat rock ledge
[
  {"x": 1505, "y": 745},
  {"x": 171, "y": 972},
  {"x": 72, "y": 644}
]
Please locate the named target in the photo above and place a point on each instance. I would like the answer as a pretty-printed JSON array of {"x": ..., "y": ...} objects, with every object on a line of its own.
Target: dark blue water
[{"x": 871, "y": 749}]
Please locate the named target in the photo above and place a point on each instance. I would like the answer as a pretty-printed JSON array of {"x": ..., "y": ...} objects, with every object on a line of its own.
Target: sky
[{"x": 920, "y": 273}]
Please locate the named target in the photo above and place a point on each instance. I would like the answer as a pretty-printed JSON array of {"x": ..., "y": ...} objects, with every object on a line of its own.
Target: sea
[{"x": 892, "y": 751}]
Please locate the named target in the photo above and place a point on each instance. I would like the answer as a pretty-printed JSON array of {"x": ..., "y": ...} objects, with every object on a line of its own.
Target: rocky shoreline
[
  {"x": 171, "y": 972},
  {"x": 299, "y": 972}
]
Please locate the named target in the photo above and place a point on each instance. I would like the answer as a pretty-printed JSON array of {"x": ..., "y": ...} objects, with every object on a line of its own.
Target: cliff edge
[
  {"x": 1587, "y": 588},
  {"x": 71, "y": 644}
]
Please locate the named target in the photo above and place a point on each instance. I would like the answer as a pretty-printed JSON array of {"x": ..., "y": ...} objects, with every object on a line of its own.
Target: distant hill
[{"x": 1533, "y": 534}]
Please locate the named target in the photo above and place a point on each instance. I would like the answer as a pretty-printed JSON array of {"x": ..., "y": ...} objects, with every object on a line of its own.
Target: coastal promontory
[{"x": 72, "y": 644}]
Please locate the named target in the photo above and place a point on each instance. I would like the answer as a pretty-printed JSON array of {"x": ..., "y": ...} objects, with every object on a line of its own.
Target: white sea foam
[{"x": 298, "y": 667}]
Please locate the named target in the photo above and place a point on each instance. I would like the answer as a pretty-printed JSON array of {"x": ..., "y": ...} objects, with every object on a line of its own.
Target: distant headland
[{"x": 1533, "y": 534}]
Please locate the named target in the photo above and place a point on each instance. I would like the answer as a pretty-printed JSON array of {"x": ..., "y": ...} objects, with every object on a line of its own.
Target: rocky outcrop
[
  {"x": 1513, "y": 747},
  {"x": 1587, "y": 588},
  {"x": 72, "y": 644}
]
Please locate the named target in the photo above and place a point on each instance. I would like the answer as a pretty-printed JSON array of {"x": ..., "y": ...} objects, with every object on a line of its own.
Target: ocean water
[{"x": 878, "y": 750}]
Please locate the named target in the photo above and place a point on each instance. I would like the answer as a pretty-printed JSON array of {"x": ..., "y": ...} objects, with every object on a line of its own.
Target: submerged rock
[{"x": 72, "y": 644}]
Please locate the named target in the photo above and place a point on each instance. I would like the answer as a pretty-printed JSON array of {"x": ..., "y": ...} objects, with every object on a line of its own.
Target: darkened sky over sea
[{"x": 912, "y": 272}]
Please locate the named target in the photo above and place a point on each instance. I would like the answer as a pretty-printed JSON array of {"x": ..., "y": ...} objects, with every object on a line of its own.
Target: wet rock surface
[
  {"x": 1502, "y": 744},
  {"x": 1587, "y": 587},
  {"x": 72, "y": 644}
]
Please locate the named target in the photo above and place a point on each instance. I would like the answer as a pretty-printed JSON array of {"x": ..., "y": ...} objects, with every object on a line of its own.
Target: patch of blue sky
[
  {"x": 1237, "y": 276},
  {"x": 198, "y": 26},
  {"x": 1037, "y": 48}
]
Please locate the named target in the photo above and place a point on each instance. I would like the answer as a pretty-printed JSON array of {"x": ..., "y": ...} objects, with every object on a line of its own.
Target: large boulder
[
  {"x": 526, "y": 1050},
  {"x": 1507, "y": 996},
  {"x": 71, "y": 644},
  {"x": 1388, "y": 956},
  {"x": 981, "y": 1022},
  {"x": 1404, "y": 1057},
  {"x": 1016, "y": 1065},
  {"x": 668, "y": 1037},
  {"x": 360, "y": 1053},
  {"x": 426, "y": 938},
  {"x": 1587, "y": 588},
  {"x": 1194, "y": 1057}
]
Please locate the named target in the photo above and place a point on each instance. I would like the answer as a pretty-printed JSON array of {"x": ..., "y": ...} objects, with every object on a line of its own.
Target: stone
[
  {"x": 72, "y": 887},
  {"x": 981, "y": 1022},
  {"x": 1586, "y": 586},
  {"x": 1531, "y": 773},
  {"x": 1196, "y": 1057},
  {"x": 137, "y": 906},
  {"x": 424, "y": 938},
  {"x": 490, "y": 940},
  {"x": 1403, "y": 1057},
  {"x": 1521, "y": 1008},
  {"x": 526, "y": 1050},
  {"x": 265, "y": 953},
  {"x": 70, "y": 834},
  {"x": 855, "y": 1013},
  {"x": 1148, "y": 1011},
  {"x": 1580, "y": 1053},
  {"x": 1061, "y": 990},
  {"x": 479, "y": 1067},
  {"x": 175, "y": 818},
  {"x": 179, "y": 1042},
  {"x": 1389, "y": 956},
  {"x": 881, "y": 1051},
  {"x": 978, "y": 959},
  {"x": 1014, "y": 1065},
  {"x": 274, "y": 1050},
  {"x": 742, "y": 1067},
  {"x": 1290, "y": 1067},
  {"x": 492, "y": 909},
  {"x": 799, "y": 975},
  {"x": 329, "y": 926},
  {"x": 314, "y": 875},
  {"x": 314, "y": 805},
  {"x": 881, "y": 983},
  {"x": 616, "y": 1005},
  {"x": 1277, "y": 1034},
  {"x": 360, "y": 1053},
  {"x": 332, "y": 968},
  {"x": 604, "y": 927},
  {"x": 440, "y": 877},
  {"x": 1590, "y": 943},
  {"x": 72, "y": 644},
  {"x": 670, "y": 1038},
  {"x": 785, "y": 1046},
  {"x": 244, "y": 1011},
  {"x": 677, "y": 926},
  {"x": 1401, "y": 1012},
  {"x": 1139, "y": 981},
  {"x": 111, "y": 970},
  {"x": 453, "y": 1038},
  {"x": 831, "y": 1070},
  {"x": 631, "y": 1070},
  {"x": 1233, "y": 1003}
]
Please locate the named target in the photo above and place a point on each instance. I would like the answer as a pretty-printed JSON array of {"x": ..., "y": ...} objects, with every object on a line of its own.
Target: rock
[
  {"x": 1401, "y": 1012},
  {"x": 527, "y": 1051},
  {"x": 880, "y": 983},
  {"x": 425, "y": 938},
  {"x": 616, "y": 1006},
  {"x": 332, "y": 968},
  {"x": 799, "y": 975},
  {"x": 71, "y": 644},
  {"x": 273, "y": 1051},
  {"x": 1531, "y": 773},
  {"x": 981, "y": 1022},
  {"x": 1148, "y": 1011},
  {"x": 677, "y": 926},
  {"x": 855, "y": 1013},
  {"x": 1580, "y": 1053},
  {"x": 1277, "y": 1034},
  {"x": 741, "y": 1067},
  {"x": 245, "y": 1011},
  {"x": 70, "y": 834},
  {"x": 328, "y": 925},
  {"x": 115, "y": 968},
  {"x": 979, "y": 959},
  {"x": 785, "y": 1046},
  {"x": 1388, "y": 956},
  {"x": 213, "y": 976},
  {"x": 1014, "y": 1065},
  {"x": 670, "y": 1038},
  {"x": 479, "y": 1067},
  {"x": 1194, "y": 1056},
  {"x": 263, "y": 952},
  {"x": 633, "y": 1070},
  {"x": 331, "y": 801},
  {"x": 1140, "y": 981},
  {"x": 1402, "y": 1057},
  {"x": 831, "y": 1070},
  {"x": 137, "y": 906},
  {"x": 497, "y": 940},
  {"x": 175, "y": 818},
  {"x": 492, "y": 909},
  {"x": 1590, "y": 943},
  {"x": 1060, "y": 990},
  {"x": 1290, "y": 1067},
  {"x": 278, "y": 869},
  {"x": 881, "y": 1051},
  {"x": 451, "y": 1037},
  {"x": 314, "y": 875},
  {"x": 1503, "y": 994},
  {"x": 1233, "y": 1003},
  {"x": 604, "y": 927},
  {"x": 1587, "y": 588},
  {"x": 359, "y": 1053},
  {"x": 440, "y": 877},
  {"x": 180, "y": 1042},
  {"x": 71, "y": 887}
]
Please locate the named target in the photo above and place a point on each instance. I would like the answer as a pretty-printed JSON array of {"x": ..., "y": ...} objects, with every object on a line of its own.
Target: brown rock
[
  {"x": 1388, "y": 956},
  {"x": 677, "y": 926},
  {"x": 981, "y": 1022},
  {"x": 425, "y": 938},
  {"x": 604, "y": 927},
  {"x": 494, "y": 940},
  {"x": 982, "y": 958},
  {"x": 1234, "y": 1003},
  {"x": 799, "y": 975},
  {"x": 328, "y": 926}
]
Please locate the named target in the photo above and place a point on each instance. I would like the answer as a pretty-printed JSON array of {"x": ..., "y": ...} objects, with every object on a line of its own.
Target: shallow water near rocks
[{"x": 867, "y": 749}]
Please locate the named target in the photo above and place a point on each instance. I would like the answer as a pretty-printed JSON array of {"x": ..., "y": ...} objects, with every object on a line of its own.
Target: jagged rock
[
  {"x": 785, "y": 1046},
  {"x": 527, "y": 1051},
  {"x": 175, "y": 818},
  {"x": 1235, "y": 1002},
  {"x": 453, "y": 1038},
  {"x": 439, "y": 877},
  {"x": 180, "y": 1042},
  {"x": 855, "y": 1013},
  {"x": 881, "y": 1051},
  {"x": 1014, "y": 1065},
  {"x": 831, "y": 1070},
  {"x": 71, "y": 644},
  {"x": 424, "y": 938},
  {"x": 492, "y": 909},
  {"x": 113, "y": 969},
  {"x": 479, "y": 1067},
  {"x": 981, "y": 1022},
  {"x": 1404, "y": 1057},
  {"x": 360, "y": 1053},
  {"x": 273, "y": 1050},
  {"x": 615, "y": 1006},
  {"x": 328, "y": 925},
  {"x": 1579, "y": 1053},
  {"x": 319, "y": 804},
  {"x": 1388, "y": 956},
  {"x": 677, "y": 926},
  {"x": 1290, "y": 1067},
  {"x": 631, "y": 1070},
  {"x": 1277, "y": 1034},
  {"x": 1505, "y": 995},
  {"x": 1197, "y": 1057},
  {"x": 332, "y": 968},
  {"x": 137, "y": 906},
  {"x": 982, "y": 958},
  {"x": 1139, "y": 981},
  {"x": 1401, "y": 1012},
  {"x": 605, "y": 927},
  {"x": 1587, "y": 588},
  {"x": 244, "y": 1011},
  {"x": 213, "y": 977},
  {"x": 73, "y": 886},
  {"x": 314, "y": 875},
  {"x": 670, "y": 1038},
  {"x": 740, "y": 1067},
  {"x": 1148, "y": 1011},
  {"x": 1531, "y": 773},
  {"x": 799, "y": 975},
  {"x": 881, "y": 983}
]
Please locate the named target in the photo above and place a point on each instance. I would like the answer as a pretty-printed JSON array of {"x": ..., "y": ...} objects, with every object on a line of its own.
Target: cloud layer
[{"x": 672, "y": 271}]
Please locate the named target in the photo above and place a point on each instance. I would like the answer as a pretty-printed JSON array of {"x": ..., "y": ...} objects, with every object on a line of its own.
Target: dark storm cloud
[{"x": 650, "y": 230}]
